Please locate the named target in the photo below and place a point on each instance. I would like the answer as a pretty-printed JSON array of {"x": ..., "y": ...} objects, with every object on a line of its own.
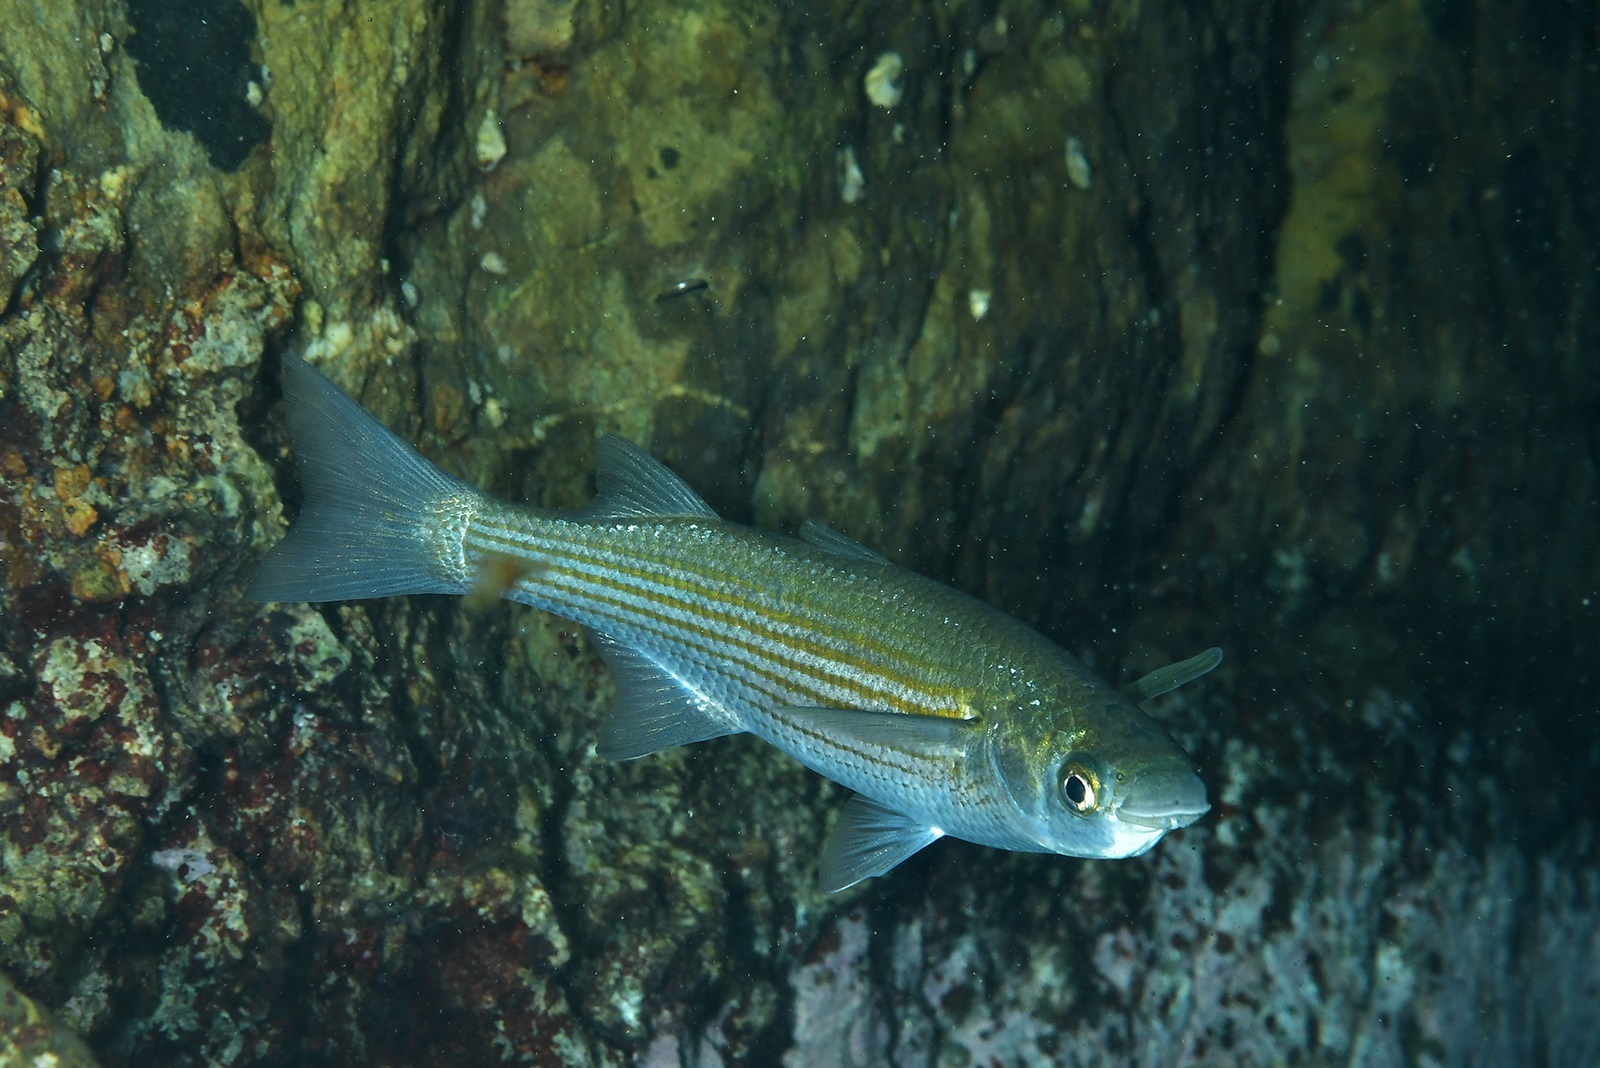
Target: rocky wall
[{"x": 1269, "y": 326}]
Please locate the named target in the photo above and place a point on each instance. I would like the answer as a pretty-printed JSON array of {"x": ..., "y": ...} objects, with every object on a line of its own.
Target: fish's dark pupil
[{"x": 1075, "y": 789}]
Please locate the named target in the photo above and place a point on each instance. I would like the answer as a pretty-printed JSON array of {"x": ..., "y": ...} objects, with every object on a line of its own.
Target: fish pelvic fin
[
  {"x": 377, "y": 518},
  {"x": 1169, "y": 678}
]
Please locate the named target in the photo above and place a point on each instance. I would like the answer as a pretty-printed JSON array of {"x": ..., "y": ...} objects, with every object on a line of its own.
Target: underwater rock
[
  {"x": 1269, "y": 328},
  {"x": 30, "y": 1037},
  {"x": 193, "y": 64}
]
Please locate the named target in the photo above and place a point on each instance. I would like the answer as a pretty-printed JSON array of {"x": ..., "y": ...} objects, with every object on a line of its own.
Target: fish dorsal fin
[
  {"x": 1169, "y": 678},
  {"x": 653, "y": 709},
  {"x": 825, "y": 537},
  {"x": 633, "y": 484},
  {"x": 868, "y": 840}
]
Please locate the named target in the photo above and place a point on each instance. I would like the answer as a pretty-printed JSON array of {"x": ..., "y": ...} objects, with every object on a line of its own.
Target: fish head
[{"x": 1106, "y": 785}]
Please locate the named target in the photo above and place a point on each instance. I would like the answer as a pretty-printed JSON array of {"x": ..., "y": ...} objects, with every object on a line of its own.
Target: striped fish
[{"x": 944, "y": 716}]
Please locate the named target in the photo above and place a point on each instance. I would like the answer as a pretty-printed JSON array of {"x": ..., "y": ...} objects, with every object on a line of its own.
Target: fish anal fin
[
  {"x": 652, "y": 710},
  {"x": 870, "y": 839}
]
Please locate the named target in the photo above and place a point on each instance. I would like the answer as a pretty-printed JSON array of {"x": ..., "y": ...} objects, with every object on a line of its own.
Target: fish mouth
[{"x": 1164, "y": 801}]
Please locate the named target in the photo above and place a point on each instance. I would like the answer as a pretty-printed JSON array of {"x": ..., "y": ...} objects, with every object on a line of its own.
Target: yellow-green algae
[{"x": 320, "y": 822}]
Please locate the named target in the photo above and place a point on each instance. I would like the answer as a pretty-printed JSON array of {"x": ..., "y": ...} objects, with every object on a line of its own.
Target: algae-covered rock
[
  {"x": 30, "y": 1038},
  {"x": 1266, "y": 326}
]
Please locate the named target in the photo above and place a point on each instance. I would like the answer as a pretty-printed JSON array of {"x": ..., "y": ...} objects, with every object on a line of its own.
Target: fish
[{"x": 943, "y": 716}]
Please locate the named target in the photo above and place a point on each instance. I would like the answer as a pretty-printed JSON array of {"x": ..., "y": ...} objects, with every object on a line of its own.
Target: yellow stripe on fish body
[
  {"x": 945, "y": 716},
  {"x": 615, "y": 585}
]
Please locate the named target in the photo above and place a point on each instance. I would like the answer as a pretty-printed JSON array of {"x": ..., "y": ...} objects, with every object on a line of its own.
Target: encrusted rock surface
[
  {"x": 30, "y": 1038},
  {"x": 1262, "y": 325}
]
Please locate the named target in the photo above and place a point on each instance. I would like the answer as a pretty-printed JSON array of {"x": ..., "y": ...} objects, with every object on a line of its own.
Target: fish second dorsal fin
[
  {"x": 632, "y": 484},
  {"x": 825, "y": 537}
]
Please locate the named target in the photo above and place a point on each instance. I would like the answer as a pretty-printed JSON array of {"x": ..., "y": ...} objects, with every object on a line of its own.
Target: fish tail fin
[{"x": 375, "y": 513}]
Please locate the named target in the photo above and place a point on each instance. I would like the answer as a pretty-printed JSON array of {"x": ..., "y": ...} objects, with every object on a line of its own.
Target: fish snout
[{"x": 1164, "y": 800}]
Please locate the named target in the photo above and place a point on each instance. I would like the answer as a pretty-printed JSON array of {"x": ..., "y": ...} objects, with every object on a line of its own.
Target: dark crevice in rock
[{"x": 194, "y": 66}]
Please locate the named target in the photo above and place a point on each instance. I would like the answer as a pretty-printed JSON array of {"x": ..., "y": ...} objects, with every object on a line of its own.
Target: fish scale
[
  {"x": 945, "y": 716},
  {"x": 626, "y": 582}
]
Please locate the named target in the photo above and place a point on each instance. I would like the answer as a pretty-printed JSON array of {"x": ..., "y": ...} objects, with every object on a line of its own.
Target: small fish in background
[{"x": 944, "y": 716}]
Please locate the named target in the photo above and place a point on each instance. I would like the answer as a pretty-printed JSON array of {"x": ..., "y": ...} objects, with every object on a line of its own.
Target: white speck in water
[
  {"x": 883, "y": 80},
  {"x": 489, "y": 148},
  {"x": 852, "y": 182},
  {"x": 1078, "y": 172},
  {"x": 978, "y": 303}
]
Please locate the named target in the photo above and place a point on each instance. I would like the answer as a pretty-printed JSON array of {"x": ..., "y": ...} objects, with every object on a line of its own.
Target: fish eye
[{"x": 1078, "y": 789}]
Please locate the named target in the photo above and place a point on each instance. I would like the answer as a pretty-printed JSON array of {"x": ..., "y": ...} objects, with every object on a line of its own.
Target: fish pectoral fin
[
  {"x": 653, "y": 709},
  {"x": 925, "y": 737},
  {"x": 868, "y": 840},
  {"x": 632, "y": 484},
  {"x": 1169, "y": 678},
  {"x": 825, "y": 537}
]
